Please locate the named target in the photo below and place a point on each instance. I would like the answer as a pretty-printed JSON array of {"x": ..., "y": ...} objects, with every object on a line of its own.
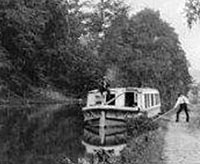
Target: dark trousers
[
  {"x": 182, "y": 107},
  {"x": 102, "y": 89}
]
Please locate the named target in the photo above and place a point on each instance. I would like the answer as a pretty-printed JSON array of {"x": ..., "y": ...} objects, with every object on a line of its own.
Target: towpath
[{"x": 182, "y": 139}]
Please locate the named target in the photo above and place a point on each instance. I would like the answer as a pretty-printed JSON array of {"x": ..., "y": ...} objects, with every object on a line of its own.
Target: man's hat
[{"x": 179, "y": 94}]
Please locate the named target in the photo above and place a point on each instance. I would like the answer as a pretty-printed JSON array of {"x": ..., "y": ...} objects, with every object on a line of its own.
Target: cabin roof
[{"x": 130, "y": 89}]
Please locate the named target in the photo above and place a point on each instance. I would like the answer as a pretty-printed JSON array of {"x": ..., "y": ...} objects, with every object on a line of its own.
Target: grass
[
  {"x": 145, "y": 143},
  {"x": 145, "y": 149},
  {"x": 194, "y": 123}
]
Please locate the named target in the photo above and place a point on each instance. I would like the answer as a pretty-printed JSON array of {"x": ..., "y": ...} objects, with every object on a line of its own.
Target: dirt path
[{"x": 182, "y": 140}]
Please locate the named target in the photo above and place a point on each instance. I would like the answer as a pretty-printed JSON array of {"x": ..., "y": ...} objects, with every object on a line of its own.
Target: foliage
[
  {"x": 145, "y": 149},
  {"x": 147, "y": 53},
  {"x": 40, "y": 40},
  {"x": 140, "y": 125},
  {"x": 194, "y": 93},
  {"x": 192, "y": 11},
  {"x": 98, "y": 21},
  {"x": 56, "y": 43}
]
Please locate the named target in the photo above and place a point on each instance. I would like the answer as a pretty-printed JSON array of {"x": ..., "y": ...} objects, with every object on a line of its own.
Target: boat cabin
[
  {"x": 118, "y": 97},
  {"x": 144, "y": 98}
]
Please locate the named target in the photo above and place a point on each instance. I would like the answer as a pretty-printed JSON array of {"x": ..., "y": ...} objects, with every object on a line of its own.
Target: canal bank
[
  {"x": 55, "y": 134},
  {"x": 38, "y": 96},
  {"x": 182, "y": 144},
  {"x": 172, "y": 143},
  {"x": 144, "y": 145}
]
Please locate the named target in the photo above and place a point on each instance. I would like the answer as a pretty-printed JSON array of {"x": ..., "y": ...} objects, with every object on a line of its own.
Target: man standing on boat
[
  {"x": 104, "y": 86},
  {"x": 182, "y": 102}
]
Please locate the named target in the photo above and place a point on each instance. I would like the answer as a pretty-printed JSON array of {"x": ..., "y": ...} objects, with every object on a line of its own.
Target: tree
[
  {"x": 42, "y": 44},
  {"x": 100, "y": 18},
  {"x": 192, "y": 10},
  {"x": 54, "y": 42},
  {"x": 194, "y": 93},
  {"x": 147, "y": 53}
]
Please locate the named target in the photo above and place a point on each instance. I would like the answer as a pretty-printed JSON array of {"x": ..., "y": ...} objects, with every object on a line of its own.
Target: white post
[
  {"x": 102, "y": 121},
  {"x": 102, "y": 134}
]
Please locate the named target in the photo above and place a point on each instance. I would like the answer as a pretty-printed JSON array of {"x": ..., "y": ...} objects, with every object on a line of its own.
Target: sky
[{"x": 172, "y": 11}]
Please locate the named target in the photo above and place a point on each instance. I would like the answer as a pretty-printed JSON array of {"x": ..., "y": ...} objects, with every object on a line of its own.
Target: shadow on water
[{"x": 45, "y": 137}]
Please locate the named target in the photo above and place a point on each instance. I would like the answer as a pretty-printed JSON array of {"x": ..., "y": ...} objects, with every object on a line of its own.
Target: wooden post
[{"x": 102, "y": 121}]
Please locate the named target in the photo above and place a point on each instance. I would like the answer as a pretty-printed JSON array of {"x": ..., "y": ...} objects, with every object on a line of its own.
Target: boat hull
[{"x": 102, "y": 116}]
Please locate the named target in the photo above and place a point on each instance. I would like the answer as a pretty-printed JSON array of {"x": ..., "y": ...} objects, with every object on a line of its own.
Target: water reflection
[
  {"x": 41, "y": 134},
  {"x": 104, "y": 142},
  {"x": 55, "y": 134}
]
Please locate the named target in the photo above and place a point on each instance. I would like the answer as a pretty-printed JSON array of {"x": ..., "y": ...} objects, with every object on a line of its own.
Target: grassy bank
[
  {"x": 145, "y": 145},
  {"x": 194, "y": 117},
  {"x": 145, "y": 149}
]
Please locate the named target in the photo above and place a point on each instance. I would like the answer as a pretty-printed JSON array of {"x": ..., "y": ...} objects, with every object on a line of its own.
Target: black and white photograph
[{"x": 99, "y": 82}]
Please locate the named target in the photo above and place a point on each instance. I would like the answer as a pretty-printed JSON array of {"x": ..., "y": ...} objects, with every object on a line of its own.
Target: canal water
[{"x": 55, "y": 134}]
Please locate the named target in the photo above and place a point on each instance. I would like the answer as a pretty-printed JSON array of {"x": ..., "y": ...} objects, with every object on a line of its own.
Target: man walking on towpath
[{"x": 182, "y": 102}]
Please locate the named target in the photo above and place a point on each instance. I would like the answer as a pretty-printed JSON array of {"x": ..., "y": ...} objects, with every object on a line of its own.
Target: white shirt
[{"x": 181, "y": 100}]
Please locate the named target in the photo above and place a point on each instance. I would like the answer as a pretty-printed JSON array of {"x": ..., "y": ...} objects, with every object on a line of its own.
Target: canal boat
[
  {"x": 120, "y": 104},
  {"x": 100, "y": 139}
]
